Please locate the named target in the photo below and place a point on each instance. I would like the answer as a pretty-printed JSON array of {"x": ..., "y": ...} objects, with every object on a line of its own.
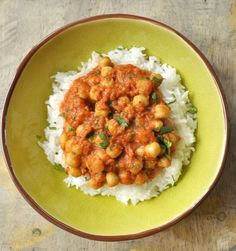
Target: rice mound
[{"x": 174, "y": 94}]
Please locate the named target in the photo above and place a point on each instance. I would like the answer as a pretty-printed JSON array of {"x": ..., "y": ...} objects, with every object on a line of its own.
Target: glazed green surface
[{"x": 27, "y": 115}]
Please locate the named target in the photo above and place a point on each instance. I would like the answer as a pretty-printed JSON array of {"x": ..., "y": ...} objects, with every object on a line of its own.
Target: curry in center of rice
[{"x": 117, "y": 127}]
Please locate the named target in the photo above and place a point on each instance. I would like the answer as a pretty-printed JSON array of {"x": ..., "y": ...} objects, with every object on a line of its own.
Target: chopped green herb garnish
[
  {"x": 70, "y": 129},
  {"x": 166, "y": 143},
  {"x": 103, "y": 136},
  {"x": 58, "y": 167},
  {"x": 105, "y": 142},
  {"x": 166, "y": 129},
  {"x": 90, "y": 136},
  {"x": 120, "y": 48},
  {"x": 192, "y": 109},
  {"x": 154, "y": 96},
  {"x": 121, "y": 121},
  {"x": 173, "y": 100},
  {"x": 157, "y": 79},
  {"x": 52, "y": 128}
]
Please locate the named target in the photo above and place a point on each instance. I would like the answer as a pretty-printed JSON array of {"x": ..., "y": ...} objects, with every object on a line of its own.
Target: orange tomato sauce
[{"x": 117, "y": 127}]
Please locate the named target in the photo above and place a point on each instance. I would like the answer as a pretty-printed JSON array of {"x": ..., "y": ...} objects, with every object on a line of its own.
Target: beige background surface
[{"x": 211, "y": 25}]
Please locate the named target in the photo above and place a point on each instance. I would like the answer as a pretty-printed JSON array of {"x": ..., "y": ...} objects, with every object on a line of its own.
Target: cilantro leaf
[
  {"x": 192, "y": 109},
  {"x": 172, "y": 101},
  {"x": 166, "y": 129},
  {"x": 121, "y": 121},
  {"x": 105, "y": 141},
  {"x": 165, "y": 142},
  {"x": 157, "y": 79},
  {"x": 154, "y": 96}
]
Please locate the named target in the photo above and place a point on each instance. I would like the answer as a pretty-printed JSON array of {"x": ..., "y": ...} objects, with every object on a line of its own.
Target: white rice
[{"x": 172, "y": 90}]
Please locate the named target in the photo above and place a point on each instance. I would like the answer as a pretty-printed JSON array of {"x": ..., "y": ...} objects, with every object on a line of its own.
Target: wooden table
[{"x": 211, "y": 25}]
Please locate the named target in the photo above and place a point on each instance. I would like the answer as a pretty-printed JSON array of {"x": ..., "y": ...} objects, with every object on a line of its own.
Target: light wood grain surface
[{"x": 211, "y": 25}]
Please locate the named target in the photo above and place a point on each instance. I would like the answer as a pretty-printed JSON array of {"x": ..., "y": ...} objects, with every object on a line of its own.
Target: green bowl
[{"x": 24, "y": 117}]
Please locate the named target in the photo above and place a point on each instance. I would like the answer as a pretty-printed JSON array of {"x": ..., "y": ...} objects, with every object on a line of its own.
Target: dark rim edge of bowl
[{"x": 58, "y": 222}]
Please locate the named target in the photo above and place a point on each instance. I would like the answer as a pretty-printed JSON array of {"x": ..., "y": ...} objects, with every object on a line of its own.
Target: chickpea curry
[{"x": 117, "y": 127}]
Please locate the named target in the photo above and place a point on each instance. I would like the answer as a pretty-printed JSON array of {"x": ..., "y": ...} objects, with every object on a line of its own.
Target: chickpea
[
  {"x": 95, "y": 93},
  {"x": 101, "y": 111},
  {"x": 106, "y": 71},
  {"x": 107, "y": 82},
  {"x": 140, "y": 100},
  {"x": 62, "y": 140},
  {"x": 102, "y": 154},
  {"x": 79, "y": 130},
  {"x": 113, "y": 126},
  {"x": 68, "y": 145},
  {"x": 162, "y": 111},
  {"x": 94, "y": 80},
  {"x": 123, "y": 101},
  {"x": 72, "y": 160},
  {"x": 75, "y": 172},
  {"x": 140, "y": 151},
  {"x": 144, "y": 86},
  {"x": 114, "y": 151},
  {"x": 157, "y": 125},
  {"x": 128, "y": 112},
  {"x": 76, "y": 149},
  {"x": 83, "y": 90},
  {"x": 163, "y": 162},
  {"x": 112, "y": 179},
  {"x": 94, "y": 184},
  {"x": 125, "y": 177},
  {"x": 136, "y": 166},
  {"x": 152, "y": 150},
  {"x": 141, "y": 178},
  {"x": 100, "y": 177},
  {"x": 95, "y": 164},
  {"x": 105, "y": 61}
]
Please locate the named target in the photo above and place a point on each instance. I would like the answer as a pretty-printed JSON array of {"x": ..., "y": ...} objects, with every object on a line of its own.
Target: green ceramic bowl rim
[{"x": 31, "y": 200}]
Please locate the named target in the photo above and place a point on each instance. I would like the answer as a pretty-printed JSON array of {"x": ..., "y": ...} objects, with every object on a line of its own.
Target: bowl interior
[{"x": 26, "y": 118}]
